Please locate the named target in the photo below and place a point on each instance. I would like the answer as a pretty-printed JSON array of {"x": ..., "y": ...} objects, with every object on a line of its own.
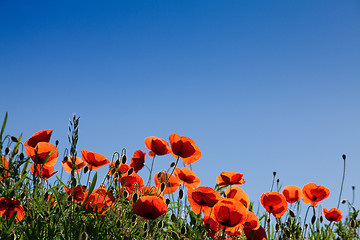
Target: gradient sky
[{"x": 260, "y": 86}]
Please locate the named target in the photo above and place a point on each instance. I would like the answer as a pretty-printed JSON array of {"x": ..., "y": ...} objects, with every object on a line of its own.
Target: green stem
[
  {"x": 342, "y": 182},
  {"x": 151, "y": 169}
]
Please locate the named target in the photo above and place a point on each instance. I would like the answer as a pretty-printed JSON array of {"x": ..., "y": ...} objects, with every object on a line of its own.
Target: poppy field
[{"x": 38, "y": 201}]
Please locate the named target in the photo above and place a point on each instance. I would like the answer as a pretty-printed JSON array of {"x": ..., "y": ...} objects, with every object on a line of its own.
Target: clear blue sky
[{"x": 260, "y": 86}]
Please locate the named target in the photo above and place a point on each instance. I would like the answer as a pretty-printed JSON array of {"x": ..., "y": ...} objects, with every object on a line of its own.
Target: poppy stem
[
  {"x": 342, "y": 182},
  {"x": 305, "y": 218},
  {"x": 167, "y": 180},
  {"x": 273, "y": 182},
  {"x": 151, "y": 169},
  {"x": 88, "y": 178}
]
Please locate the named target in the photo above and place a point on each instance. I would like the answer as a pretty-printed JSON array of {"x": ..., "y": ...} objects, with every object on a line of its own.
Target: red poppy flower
[
  {"x": 185, "y": 148},
  {"x": 252, "y": 221},
  {"x": 51, "y": 200},
  {"x": 292, "y": 193},
  {"x": 333, "y": 215},
  {"x": 109, "y": 197},
  {"x": 314, "y": 194},
  {"x": 99, "y": 201},
  {"x": 137, "y": 161},
  {"x": 131, "y": 181},
  {"x": 188, "y": 177},
  {"x": 237, "y": 193},
  {"x": 158, "y": 146},
  {"x": 259, "y": 234},
  {"x": 9, "y": 206},
  {"x": 43, "y": 171},
  {"x": 122, "y": 169},
  {"x": 67, "y": 164},
  {"x": 202, "y": 199},
  {"x": 150, "y": 207},
  {"x": 79, "y": 193},
  {"x": 146, "y": 190},
  {"x": 3, "y": 168},
  {"x": 214, "y": 226},
  {"x": 95, "y": 160},
  {"x": 274, "y": 203},
  {"x": 230, "y": 178},
  {"x": 43, "y": 153},
  {"x": 230, "y": 213},
  {"x": 41, "y": 136},
  {"x": 172, "y": 182}
]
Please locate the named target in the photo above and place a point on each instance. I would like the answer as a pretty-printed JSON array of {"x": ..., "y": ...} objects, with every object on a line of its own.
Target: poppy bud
[
  {"x": 183, "y": 230},
  {"x": 145, "y": 226},
  {"x": 135, "y": 197},
  {"x": 313, "y": 219},
  {"x": 172, "y": 164},
  {"x": 173, "y": 218},
  {"x": 321, "y": 219},
  {"x": 274, "y": 173},
  {"x": 131, "y": 170},
  {"x": 117, "y": 163},
  {"x": 352, "y": 223},
  {"x": 56, "y": 143},
  {"x": 14, "y": 139},
  {"x": 167, "y": 201},
  {"x": 21, "y": 156},
  {"x": 160, "y": 224},
  {"x": 268, "y": 220},
  {"x": 344, "y": 157},
  {"x": 162, "y": 187},
  {"x": 123, "y": 159},
  {"x": 344, "y": 201},
  {"x": 292, "y": 214},
  {"x": 181, "y": 194},
  {"x": 353, "y": 187},
  {"x": 7, "y": 150},
  {"x": 125, "y": 194},
  {"x": 65, "y": 159},
  {"x": 86, "y": 169}
]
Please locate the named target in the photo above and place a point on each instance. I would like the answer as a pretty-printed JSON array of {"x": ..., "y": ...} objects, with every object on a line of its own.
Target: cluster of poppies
[
  {"x": 228, "y": 212},
  {"x": 277, "y": 203}
]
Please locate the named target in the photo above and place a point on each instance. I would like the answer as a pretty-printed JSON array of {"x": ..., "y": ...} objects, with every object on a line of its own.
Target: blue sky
[{"x": 260, "y": 86}]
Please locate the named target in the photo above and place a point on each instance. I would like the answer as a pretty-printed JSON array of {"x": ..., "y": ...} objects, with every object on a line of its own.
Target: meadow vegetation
[{"x": 168, "y": 205}]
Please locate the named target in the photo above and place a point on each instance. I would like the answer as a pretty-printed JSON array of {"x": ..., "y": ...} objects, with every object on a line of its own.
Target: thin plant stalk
[{"x": 342, "y": 182}]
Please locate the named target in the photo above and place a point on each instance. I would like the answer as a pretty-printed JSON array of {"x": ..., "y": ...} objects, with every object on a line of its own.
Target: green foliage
[{"x": 51, "y": 213}]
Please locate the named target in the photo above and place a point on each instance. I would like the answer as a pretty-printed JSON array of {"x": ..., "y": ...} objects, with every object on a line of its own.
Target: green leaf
[
  {"x": 15, "y": 150},
  {"x": 11, "y": 221},
  {"x": 3, "y": 126},
  {"x": 23, "y": 176},
  {"x": 91, "y": 188}
]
